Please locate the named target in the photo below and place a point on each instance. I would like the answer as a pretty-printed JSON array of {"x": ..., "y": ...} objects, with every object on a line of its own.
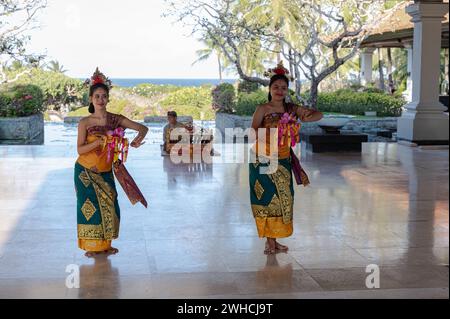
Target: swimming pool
[{"x": 66, "y": 134}]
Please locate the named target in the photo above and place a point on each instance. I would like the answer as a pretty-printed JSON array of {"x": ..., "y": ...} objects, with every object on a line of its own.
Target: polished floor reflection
[{"x": 387, "y": 206}]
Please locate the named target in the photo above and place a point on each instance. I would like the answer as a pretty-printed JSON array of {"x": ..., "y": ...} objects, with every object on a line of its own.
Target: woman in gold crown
[
  {"x": 98, "y": 212},
  {"x": 272, "y": 193}
]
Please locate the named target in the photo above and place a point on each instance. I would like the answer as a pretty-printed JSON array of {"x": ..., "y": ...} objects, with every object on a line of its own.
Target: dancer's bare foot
[
  {"x": 270, "y": 247},
  {"x": 280, "y": 247},
  {"x": 111, "y": 251},
  {"x": 91, "y": 254}
]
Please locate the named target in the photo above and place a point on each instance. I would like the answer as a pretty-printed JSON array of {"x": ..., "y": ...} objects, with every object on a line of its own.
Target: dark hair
[
  {"x": 172, "y": 113},
  {"x": 274, "y": 78},
  {"x": 92, "y": 89}
]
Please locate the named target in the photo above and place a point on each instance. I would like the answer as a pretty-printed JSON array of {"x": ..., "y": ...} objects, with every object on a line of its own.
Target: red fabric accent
[
  {"x": 299, "y": 173},
  {"x": 129, "y": 186}
]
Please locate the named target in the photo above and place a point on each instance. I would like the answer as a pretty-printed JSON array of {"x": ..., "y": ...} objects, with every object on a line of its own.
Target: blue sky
[{"x": 126, "y": 39}]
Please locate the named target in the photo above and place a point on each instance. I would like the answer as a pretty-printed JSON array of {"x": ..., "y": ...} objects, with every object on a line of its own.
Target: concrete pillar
[
  {"x": 366, "y": 65},
  {"x": 424, "y": 121}
]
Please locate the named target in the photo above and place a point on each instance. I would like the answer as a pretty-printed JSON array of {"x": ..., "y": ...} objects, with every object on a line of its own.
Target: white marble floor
[{"x": 388, "y": 206}]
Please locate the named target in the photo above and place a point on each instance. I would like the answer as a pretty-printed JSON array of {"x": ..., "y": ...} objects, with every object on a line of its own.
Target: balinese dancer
[
  {"x": 102, "y": 148},
  {"x": 272, "y": 193}
]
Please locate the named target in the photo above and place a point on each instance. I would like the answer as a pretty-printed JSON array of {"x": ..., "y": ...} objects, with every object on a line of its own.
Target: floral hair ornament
[
  {"x": 98, "y": 77},
  {"x": 278, "y": 70}
]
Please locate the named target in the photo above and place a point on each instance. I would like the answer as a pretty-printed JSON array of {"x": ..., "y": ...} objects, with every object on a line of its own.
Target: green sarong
[
  {"x": 98, "y": 212},
  {"x": 272, "y": 199}
]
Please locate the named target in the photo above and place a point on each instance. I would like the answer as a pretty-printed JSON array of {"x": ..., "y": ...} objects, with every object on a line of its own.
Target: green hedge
[
  {"x": 189, "y": 101},
  {"x": 345, "y": 101},
  {"x": 57, "y": 88},
  {"x": 356, "y": 103},
  {"x": 194, "y": 111},
  {"x": 151, "y": 90},
  {"x": 194, "y": 96},
  {"x": 247, "y": 102},
  {"x": 21, "y": 100},
  {"x": 118, "y": 106},
  {"x": 184, "y": 100}
]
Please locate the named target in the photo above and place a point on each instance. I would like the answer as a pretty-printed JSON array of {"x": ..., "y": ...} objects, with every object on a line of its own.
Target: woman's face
[
  {"x": 100, "y": 99},
  {"x": 172, "y": 119},
  {"x": 279, "y": 90}
]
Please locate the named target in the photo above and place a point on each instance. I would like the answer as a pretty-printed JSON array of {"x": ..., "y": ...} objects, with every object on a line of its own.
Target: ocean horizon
[{"x": 130, "y": 82}]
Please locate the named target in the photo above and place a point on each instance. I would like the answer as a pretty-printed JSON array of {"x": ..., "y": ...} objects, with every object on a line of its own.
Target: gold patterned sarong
[
  {"x": 272, "y": 195},
  {"x": 272, "y": 198},
  {"x": 98, "y": 213}
]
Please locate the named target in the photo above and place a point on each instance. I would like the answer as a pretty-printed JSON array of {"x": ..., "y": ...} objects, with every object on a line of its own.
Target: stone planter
[
  {"x": 332, "y": 124},
  {"x": 72, "y": 119},
  {"x": 28, "y": 130},
  {"x": 147, "y": 119},
  {"x": 365, "y": 126},
  {"x": 231, "y": 121}
]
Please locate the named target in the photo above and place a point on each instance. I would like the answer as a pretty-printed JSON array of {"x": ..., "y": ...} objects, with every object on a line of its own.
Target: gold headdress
[
  {"x": 98, "y": 77},
  {"x": 279, "y": 70}
]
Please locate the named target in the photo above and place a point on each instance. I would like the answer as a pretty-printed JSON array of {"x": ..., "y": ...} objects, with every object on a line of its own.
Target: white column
[
  {"x": 424, "y": 121},
  {"x": 408, "y": 92},
  {"x": 366, "y": 65}
]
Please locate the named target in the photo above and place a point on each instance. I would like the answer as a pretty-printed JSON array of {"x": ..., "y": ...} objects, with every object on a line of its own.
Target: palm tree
[
  {"x": 389, "y": 71},
  {"x": 205, "y": 54},
  {"x": 54, "y": 66},
  {"x": 17, "y": 65},
  {"x": 348, "y": 67},
  {"x": 400, "y": 64}
]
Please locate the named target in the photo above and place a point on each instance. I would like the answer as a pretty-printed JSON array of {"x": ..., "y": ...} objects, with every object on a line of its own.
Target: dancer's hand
[
  {"x": 137, "y": 142},
  {"x": 142, "y": 129},
  {"x": 100, "y": 144},
  {"x": 100, "y": 141}
]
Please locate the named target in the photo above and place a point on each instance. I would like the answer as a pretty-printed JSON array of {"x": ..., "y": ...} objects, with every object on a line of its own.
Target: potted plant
[{"x": 21, "y": 118}]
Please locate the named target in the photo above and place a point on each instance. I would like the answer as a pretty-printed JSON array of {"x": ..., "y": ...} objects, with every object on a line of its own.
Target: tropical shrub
[
  {"x": 247, "y": 87},
  {"x": 345, "y": 101},
  {"x": 247, "y": 102},
  {"x": 356, "y": 103},
  {"x": 223, "y": 98},
  {"x": 58, "y": 89},
  {"x": 21, "y": 100}
]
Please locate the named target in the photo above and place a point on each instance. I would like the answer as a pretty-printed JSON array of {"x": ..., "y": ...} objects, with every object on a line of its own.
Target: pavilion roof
[
  {"x": 397, "y": 20},
  {"x": 395, "y": 26}
]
